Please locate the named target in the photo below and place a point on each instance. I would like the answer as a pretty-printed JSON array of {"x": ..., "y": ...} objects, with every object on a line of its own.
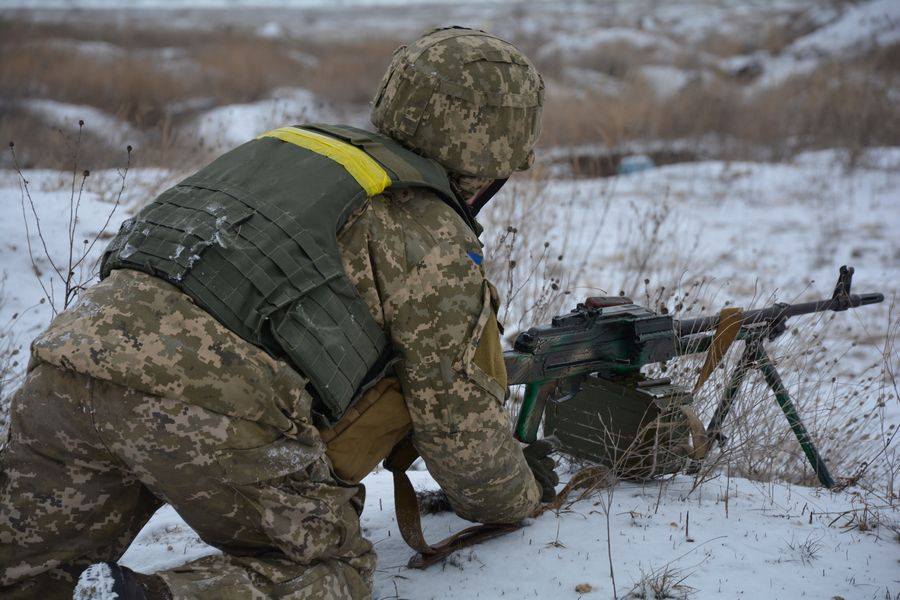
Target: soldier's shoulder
[{"x": 423, "y": 210}]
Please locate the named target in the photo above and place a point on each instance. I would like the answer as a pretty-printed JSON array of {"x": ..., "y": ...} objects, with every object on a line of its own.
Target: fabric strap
[
  {"x": 699, "y": 439},
  {"x": 409, "y": 518},
  {"x": 726, "y": 331},
  {"x": 410, "y": 523}
]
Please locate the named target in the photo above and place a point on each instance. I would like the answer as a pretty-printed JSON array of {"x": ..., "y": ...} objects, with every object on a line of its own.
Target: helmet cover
[{"x": 464, "y": 98}]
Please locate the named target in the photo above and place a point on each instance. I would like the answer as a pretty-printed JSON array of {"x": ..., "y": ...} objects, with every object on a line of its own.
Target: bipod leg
[
  {"x": 714, "y": 429},
  {"x": 773, "y": 379}
]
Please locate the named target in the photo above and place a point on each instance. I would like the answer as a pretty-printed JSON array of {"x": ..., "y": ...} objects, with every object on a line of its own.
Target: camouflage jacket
[{"x": 416, "y": 265}]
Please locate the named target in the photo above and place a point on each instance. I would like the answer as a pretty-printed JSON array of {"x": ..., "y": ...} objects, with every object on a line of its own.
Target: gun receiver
[{"x": 612, "y": 338}]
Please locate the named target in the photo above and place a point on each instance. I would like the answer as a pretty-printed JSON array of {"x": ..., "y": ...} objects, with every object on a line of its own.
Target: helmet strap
[{"x": 481, "y": 197}]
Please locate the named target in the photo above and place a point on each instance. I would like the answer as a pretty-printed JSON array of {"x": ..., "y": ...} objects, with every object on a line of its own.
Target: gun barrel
[{"x": 780, "y": 311}]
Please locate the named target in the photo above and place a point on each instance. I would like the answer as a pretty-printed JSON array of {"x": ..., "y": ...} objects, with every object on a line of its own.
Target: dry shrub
[
  {"x": 9, "y": 369},
  {"x": 597, "y": 116},
  {"x": 243, "y": 69},
  {"x": 700, "y": 108},
  {"x": 139, "y": 85},
  {"x": 43, "y": 145},
  {"x": 721, "y": 43},
  {"x": 535, "y": 274},
  {"x": 159, "y": 78},
  {"x": 572, "y": 120},
  {"x": 539, "y": 275},
  {"x": 133, "y": 88},
  {"x": 616, "y": 59},
  {"x": 638, "y": 114},
  {"x": 837, "y": 105}
]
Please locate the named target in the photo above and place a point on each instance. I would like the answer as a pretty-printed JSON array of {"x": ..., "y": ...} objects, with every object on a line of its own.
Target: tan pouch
[
  {"x": 482, "y": 358},
  {"x": 489, "y": 352},
  {"x": 368, "y": 431}
]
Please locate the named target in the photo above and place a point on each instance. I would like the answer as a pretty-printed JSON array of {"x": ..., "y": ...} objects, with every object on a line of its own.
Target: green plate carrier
[{"x": 252, "y": 239}]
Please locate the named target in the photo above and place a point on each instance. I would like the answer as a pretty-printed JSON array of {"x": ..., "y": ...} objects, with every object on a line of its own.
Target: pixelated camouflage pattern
[
  {"x": 203, "y": 419},
  {"x": 143, "y": 333},
  {"x": 464, "y": 98},
  {"x": 408, "y": 255},
  {"x": 89, "y": 461}
]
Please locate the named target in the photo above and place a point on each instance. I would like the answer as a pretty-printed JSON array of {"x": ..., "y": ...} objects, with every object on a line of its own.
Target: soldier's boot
[{"x": 100, "y": 581}]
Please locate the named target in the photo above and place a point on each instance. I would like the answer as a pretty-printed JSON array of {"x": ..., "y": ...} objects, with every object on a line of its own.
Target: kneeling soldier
[{"x": 266, "y": 331}]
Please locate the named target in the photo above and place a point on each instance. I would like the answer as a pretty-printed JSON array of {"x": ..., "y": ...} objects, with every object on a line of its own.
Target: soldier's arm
[{"x": 443, "y": 327}]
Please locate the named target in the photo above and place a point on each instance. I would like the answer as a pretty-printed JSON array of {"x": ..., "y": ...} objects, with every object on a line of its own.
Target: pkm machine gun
[{"x": 575, "y": 367}]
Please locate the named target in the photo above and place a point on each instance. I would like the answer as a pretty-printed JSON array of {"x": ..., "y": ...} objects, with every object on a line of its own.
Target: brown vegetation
[
  {"x": 157, "y": 79},
  {"x": 843, "y": 105}
]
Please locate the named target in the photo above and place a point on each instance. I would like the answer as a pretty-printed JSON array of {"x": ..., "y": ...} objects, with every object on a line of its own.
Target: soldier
[{"x": 265, "y": 332}]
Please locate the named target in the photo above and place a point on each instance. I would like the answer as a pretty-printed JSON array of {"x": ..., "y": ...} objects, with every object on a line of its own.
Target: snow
[
  {"x": 165, "y": 542},
  {"x": 728, "y": 538},
  {"x": 590, "y": 40},
  {"x": 665, "y": 80},
  {"x": 225, "y": 127},
  {"x": 95, "y": 583},
  {"x": 164, "y": 4},
  {"x": 753, "y": 229},
  {"x": 862, "y": 27},
  {"x": 754, "y": 232},
  {"x": 591, "y": 79},
  {"x": 669, "y": 34},
  {"x": 271, "y": 30},
  {"x": 22, "y": 313},
  {"x": 92, "y": 48}
]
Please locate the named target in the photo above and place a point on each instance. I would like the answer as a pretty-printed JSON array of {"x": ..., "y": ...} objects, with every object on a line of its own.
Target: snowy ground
[
  {"x": 765, "y": 541},
  {"x": 755, "y": 231}
]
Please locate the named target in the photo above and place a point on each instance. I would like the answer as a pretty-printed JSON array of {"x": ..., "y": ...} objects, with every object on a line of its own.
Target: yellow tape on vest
[{"x": 370, "y": 175}]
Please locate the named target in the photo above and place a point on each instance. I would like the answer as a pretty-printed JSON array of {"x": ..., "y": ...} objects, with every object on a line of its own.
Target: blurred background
[{"x": 678, "y": 80}]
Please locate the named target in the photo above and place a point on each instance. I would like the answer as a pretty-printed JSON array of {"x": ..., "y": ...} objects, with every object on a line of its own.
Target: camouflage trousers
[{"x": 88, "y": 462}]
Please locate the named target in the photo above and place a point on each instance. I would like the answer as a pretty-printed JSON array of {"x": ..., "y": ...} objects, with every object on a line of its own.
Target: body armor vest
[{"x": 252, "y": 239}]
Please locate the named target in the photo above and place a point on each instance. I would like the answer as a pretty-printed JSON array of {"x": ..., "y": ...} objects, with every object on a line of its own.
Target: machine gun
[{"x": 593, "y": 356}]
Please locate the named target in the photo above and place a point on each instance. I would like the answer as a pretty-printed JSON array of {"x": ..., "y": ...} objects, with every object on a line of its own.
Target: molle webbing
[{"x": 252, "y": 238}]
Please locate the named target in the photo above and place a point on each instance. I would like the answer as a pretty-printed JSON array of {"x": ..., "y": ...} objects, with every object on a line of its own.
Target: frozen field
[
  {"x": 728, "y": 539},
  {"x": 729, "y": 96},
  {"x": 752, "y": 233}
]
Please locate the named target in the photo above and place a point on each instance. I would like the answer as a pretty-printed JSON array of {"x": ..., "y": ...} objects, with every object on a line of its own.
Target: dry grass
[
  {"x": 349, "y": 73},
  {"x": 10, "y": 357},
  {"x": 837, "y": 106},
  {"x": 157, "y": 79},
  {"x": 54, "y": 150}
]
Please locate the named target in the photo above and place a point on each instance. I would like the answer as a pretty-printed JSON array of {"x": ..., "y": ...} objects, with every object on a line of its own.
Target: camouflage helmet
[{"x": 464, "y": 98}]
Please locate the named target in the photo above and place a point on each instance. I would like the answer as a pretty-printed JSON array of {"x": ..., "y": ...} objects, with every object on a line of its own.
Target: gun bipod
[{"x": 754, "y": 356}]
